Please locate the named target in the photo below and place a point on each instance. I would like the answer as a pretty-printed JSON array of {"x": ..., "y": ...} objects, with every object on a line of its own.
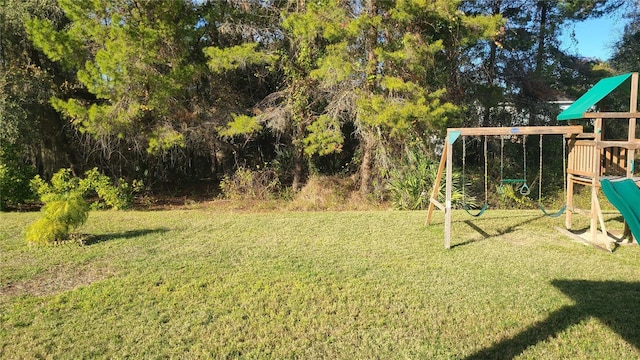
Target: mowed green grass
[{"x": 337, "y": 285}]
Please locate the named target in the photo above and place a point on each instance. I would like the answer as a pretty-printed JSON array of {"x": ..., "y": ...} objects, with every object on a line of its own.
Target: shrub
[
  {"x": 510, "y": 197},
  {"x": 59, "y": 216},
  {"x": 65, "y": 208},
  {"x": 325, "y": 193},
  {"x": 411, "y": 182},
  {"x": 14, "y": 179},
  {"x": 118, "y": 196},
  {"x": 247, "y": 184}
]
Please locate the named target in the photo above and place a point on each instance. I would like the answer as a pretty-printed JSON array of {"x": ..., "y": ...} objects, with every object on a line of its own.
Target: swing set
[
  {"x": 523, "y": 187},
  {"x": 446, "y": 168},
  {"x": 589, "y": 159}
]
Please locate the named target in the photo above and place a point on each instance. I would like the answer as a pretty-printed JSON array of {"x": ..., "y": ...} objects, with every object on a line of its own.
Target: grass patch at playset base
[{"x": 371, "y": 284}]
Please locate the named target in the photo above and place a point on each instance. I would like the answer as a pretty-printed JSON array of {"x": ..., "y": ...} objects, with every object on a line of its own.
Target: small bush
[
  {"x": 325, "y": 193},
  {"x": 45, "y": 231},
  {"x": 59, "y": 218},
  {"x": 511, "y": 198},
  {"x": 247, "y": 184},
  {"x": 118, "y": 196},
  {"x": 14, "y": 179},
  {"x": 65, "y": 208}
]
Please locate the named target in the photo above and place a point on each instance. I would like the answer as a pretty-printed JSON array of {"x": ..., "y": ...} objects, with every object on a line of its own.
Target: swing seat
[
  {"x": 524, "y": 190},
  {"x": 466, "y": 208},
  {"x": 551, "y": 214},
  {"x": 512, "y": 181}
]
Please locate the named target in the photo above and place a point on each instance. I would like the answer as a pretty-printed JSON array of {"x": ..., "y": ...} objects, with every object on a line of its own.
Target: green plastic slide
[{"x": 625, "y": 196}]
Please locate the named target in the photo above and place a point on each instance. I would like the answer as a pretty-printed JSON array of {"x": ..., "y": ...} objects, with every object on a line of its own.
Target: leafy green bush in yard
[
  {"x": 65, "y": 207},
  {"x": 510, "y": 197},
  {"x": 118, "y": 196},
  {"x": 14, "y": 179},
  {"x": 60, "y": 215}
]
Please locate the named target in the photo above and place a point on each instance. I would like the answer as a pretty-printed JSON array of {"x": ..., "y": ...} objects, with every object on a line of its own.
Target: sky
[{"x": 594, "y": 38}]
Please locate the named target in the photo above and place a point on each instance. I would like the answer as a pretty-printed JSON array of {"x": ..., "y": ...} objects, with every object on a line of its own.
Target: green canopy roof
[{"x": 591, "y": 97}]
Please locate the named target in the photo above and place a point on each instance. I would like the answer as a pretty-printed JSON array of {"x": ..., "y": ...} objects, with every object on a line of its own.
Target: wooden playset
[{"x": 594, "y": 160}]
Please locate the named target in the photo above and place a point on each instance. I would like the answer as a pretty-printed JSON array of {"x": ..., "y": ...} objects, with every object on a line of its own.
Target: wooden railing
[
  {"x": 614, "y": 161},
  {"x": 585, "y": 159}
]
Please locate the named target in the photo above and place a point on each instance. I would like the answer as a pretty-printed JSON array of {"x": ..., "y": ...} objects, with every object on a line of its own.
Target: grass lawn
[{"x": 373, "y": 284}]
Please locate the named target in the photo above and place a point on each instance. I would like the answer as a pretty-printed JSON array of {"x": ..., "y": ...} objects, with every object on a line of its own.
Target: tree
[
  {"x": 31, "y": 133},
  {"x": 389, "y": 68},
  {"x": 524, "y": 66},
  {"x": 132, "y": 59},
  {"x": 625, "y": 55},
  {"x": 294, "y": 109},
  {"x": 141, "y": 101}
]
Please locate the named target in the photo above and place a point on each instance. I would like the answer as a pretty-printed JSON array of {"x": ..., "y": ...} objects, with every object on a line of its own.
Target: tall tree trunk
[
  {"x": 365, "y": 166},
  {"x": 298, "y": 169},
  {"x": 491, "y": 67},
  {"x": 366, "y": 133},
  {"x": 535, "y": 79},
  {"x": 542, "y": 34}
]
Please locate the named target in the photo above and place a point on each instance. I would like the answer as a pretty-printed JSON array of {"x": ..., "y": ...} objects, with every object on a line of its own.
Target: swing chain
[
  {"x": 464, "y": 157},
  {"x": 486, "y": 171},
  {"x": 524, "y": 189},
  {"x": 564, "y": 173},
  {"x": 501, "y": 188},
  {"x": 564, "y": 167},
  {"x": 540, "y": 174}
]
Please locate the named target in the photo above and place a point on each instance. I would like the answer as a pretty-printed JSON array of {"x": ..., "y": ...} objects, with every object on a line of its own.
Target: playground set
[{"x": 593, "y": 160}]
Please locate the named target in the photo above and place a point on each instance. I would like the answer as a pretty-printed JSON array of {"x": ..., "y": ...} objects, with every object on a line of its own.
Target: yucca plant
[{"x": 411, "y": 183}]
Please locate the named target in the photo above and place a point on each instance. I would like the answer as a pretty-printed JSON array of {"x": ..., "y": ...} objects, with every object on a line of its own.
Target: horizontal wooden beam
[
  {"x": 622, "y": 144},
  {"x": 586, "y": 136},
  {"x": 611, "y": 115},
  {"x": 518, "y": 130},
  {"x": 634, "y": 144}
]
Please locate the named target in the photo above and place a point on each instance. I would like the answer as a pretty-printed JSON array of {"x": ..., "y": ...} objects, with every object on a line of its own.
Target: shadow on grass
[
  {"x": 95, "y": 239},
  {"x": 614, "y": 303},
  {"x": 499, "y": 232}
]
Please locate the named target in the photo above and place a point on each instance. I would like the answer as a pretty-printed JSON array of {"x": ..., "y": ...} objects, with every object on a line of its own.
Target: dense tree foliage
[
  {"x": 525, "y": 66},
  {"x": 174, "y": 90},
  {"x": 626, "y": 56}
]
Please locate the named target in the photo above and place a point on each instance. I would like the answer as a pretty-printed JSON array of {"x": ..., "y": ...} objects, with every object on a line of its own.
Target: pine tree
[
  {"x": 296, "y": 109},
  {"x": 133, "y": 60},
  {"x": 390, "y": 70}
]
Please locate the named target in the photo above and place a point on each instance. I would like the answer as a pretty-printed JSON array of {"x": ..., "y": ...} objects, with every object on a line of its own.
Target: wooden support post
[
  {"x": 436, "y": 184},
  {"x": 597, "y": 129},
  {"x": 633, "y": 107},
  {"x": 448, "y": 190},
  {"x": 596, "y": 166},
  {"x": 593, "y": 224},
  {"x": 571, "y": 164},
  {"x": 569, "y": 210}
]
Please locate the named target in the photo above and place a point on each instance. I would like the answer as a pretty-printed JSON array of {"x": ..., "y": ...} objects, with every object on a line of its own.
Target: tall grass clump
[{"x": 250, "y": 184}]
